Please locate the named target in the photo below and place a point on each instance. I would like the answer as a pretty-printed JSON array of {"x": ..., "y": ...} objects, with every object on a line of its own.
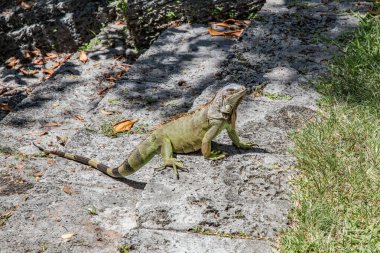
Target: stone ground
[{"x": 238, "y": 204}]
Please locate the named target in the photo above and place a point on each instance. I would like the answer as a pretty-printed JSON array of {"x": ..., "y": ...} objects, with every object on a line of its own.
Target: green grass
[{"x": 337, "y": 197}]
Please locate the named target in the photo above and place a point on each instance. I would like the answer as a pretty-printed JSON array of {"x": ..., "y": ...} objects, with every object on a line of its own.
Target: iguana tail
[{"x": 123, "y": 170}]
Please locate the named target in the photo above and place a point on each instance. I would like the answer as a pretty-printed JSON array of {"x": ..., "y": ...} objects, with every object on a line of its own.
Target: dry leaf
[
  {"x": 5, "y": 107},
  {"x": 56, "y": 65},
  {"x": 39, "y": 61},
  {"x": 50, "y": 161},
  {"x": 50, "y": 56},
  {"x": 29, "y": 90},
  {"x": 123, "y": 126},
  {"x": 79, "y": 117},
  {"x": 62, "y": 140},
  {"x": 25, "y": 5},
  {"x": 11, "y": 62},
  {"x": 19, "y": 166},
  {"x": 38, "y": 174},
  {"x": 83, "y": 56},
  {"x": 67, "y": 237},
  {"x": 52, "y": 124},
  {"x": 37, "y": 141},
  {"x": 111, "y": 79},
  {"x": 39, "y": 134},
  {"x": 106, "y": 112},
  {"x": 67, "y": 189},
  {"x": 104, "y": 90},
  {"x": 30, "y": 72},
  {"x": 373, "y": 12},
  {"x": 214, "y": 32},
  {"x": 48, "y": 72},
  {"x": 120, "y": 22}
]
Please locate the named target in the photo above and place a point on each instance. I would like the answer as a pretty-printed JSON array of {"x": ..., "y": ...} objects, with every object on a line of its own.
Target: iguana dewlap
[{"x": 183, "y": 134}]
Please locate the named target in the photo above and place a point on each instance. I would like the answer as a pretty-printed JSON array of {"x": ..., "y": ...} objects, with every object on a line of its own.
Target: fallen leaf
[
  {"x": 214, "y": 32},
  {"x": 48, "y": 72},
  {"x": 29, "y": 90},
  {"x": 106, "y": 112},
  {"x": 79, "y": 117},
  {"x": 5, "y": 107},
  {"x": 39, "y": 61},
  {"x": 35, "y": 52},
  {"x": 111, "y": 79},
  {"x": 50, "y": 56},
  {"x": 67, "y": 237},
  {"x": 19, "y": 166},
  {"x": 104, "y": 90},
  {"x": 120, "y": 22},
  {"x": 11, "y": 62},
  {"x": 52, "y": 124},
  {"x": 83, "y": 56},
  {"x": 30, "y": 72},
  {"x": 38, "y": 174},
  {"x": 67, "y": 189},
  {"x": 62, "y": 140},
  {"x": 38, "y": 141},
  {"x": 123, "y": 126},
  {"x": 39, "y": 134},
  {"x": 50, "y": 161},
  {"x": 56, "y": 65},
  {"x": 373, "y": 12},
  {"x": 25, "y": 5}
]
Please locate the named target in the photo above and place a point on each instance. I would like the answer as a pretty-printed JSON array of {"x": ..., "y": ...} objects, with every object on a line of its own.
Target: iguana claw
[
  {"x": 175, "y": 164},
  {"x": 246, "y": 145},
  {"x": 216, "y": 155}
]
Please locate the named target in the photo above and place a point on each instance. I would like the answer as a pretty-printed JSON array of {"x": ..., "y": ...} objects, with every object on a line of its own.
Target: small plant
[
  {"x": 171, "y": 15},
  {"x": 90, "y": 45},
  {"x": 123, "y": 248},
  {"x": 43, "y": 247},
  {"x": 114, "y": 101},
  {"x": 277, "y": 96},
  {"x": 91, "y": 211},
  {"x": 120, "y": 7}
]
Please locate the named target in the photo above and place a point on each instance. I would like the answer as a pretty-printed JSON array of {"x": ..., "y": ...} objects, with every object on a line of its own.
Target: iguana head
[{"x": 226, "y": 101}]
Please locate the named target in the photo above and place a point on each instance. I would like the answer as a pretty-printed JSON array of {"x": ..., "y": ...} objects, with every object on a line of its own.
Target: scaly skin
[{"x": 188, "y": 133}]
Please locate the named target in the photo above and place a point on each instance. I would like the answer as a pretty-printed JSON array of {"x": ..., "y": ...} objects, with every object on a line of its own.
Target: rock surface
[
  {"x": 238, "y": 204},
  {"x": 50, "y": 24}
]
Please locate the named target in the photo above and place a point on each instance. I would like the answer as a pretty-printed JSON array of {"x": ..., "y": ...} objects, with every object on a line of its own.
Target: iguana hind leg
[{"x": 169, "y": 160}]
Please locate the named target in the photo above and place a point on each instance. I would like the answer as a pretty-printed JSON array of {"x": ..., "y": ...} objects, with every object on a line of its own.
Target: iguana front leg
[
  {"x": 169, "y": 160},
  {"x": 206, "y": 144},
  {"x": 232, "y": 133}
]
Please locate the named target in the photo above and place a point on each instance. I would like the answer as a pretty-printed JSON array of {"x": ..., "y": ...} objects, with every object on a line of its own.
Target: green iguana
[{"x": 184, "y": 133}]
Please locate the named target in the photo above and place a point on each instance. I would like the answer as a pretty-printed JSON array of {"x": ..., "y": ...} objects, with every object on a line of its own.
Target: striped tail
[{"x": 123, "y": 170}]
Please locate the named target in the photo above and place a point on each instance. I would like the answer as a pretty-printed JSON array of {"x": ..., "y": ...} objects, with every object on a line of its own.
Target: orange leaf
[
  {"x": 214, "y": 32},
  {"x": 19, "y": 166},
  {"x": 53, "y": 124},
  {"x": 25, "y": 5},
  {"x": 30, "y": 72},
  {"x": 123, "y": 126},
  {"x": 120, "y": 22},
  {"x": 106, "y": 112},
  {"x": 67, "y": 189},
  {"x": 50, "y": 161},
  {"x": 222, "y": 25},
  {"x": 373, "y": 12},
  {"x": 5, "y": 107},
  {"x": 48, "y": 72},
  {"x": 56, "y": 65},
  {"x": 39, "y": 134},
  {"x": 79, "y": 117},
  {"x": 39, "y": 61},
  {"x": 50, "y": 56},
  {"x": 11, "y": 62},
  {"x": 83, "y": 56},
  {"x": 29, "y": 90},
  {"x": 38, "y": 174}
]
